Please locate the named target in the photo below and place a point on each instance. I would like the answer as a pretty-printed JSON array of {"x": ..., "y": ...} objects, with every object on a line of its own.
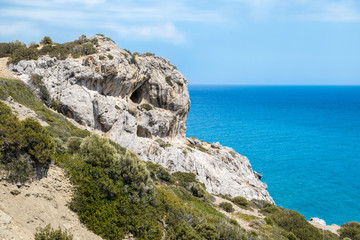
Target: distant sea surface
[{"x": 305, "y": 140}]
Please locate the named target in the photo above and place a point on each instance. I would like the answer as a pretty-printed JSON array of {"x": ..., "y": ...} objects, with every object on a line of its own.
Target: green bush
[
  {"x": 111, "y": 57},
  {"x": 60, "y": 147},
  {"x": 159, "y": 173},
  {"x": 6, "y": 49},
  {"x": 25, "y": 146},
  {"x": 350, "y": 230},
  {"x": 207, "y": 231},
  {"x": 46, "y": 40},
  {"x": 296, "y": 223},
  {"x": 162, "y": 143},
  {"x": 73, "y": 144},
  {"x": 146, "y": 106},
  {"x": 97, "y": 151},
  {"x": 226, "y": 206},
  {"x": 168, "y": 80},
  {"x": 23, "y": 53},
  {"x": 18, "y": 51},
  {"x": 240, "y": 201},
  {"x": 291, "y": 236},
  {"x": 48, "y": 233}
]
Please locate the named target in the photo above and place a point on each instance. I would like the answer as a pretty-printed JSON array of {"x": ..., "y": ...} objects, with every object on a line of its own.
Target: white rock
[
  {"x": 318, "y": 220},
  {"x": 135, "y": 104}
]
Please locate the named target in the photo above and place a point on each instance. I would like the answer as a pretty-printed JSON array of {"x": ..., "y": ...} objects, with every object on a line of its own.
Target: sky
[{"x": 233, "y": 42}]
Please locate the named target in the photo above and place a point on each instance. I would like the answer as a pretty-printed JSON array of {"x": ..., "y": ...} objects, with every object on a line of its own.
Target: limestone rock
[
  {"x": 318, "y": 221},
  {"x": 136, "y": 100}
]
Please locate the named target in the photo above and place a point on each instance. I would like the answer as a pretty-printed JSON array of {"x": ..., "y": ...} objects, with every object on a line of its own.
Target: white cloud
[
  {"x": 165, "y": 32},
  {"x": 18, "y": 29},
  {"x": 336, "y": 12},
  {"x": 310, "y": 10}
]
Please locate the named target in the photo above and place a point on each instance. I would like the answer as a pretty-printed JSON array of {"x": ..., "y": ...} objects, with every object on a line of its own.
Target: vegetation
[
  {"x": 226, "y": 206},
  {"x": 146, "y": 106},
  {"x": 116, "y": 193},
  {"x": 17, "y": 51},
  {"x": 350, "y": 230},
  {"x": 240, "y": 201},
  {"x": 58, "y": 125},
  {"x": 292, "y": 221},
  {"x": 48, "y": 233},
  {"x": 168, "y": 80},
  {"x": 26, "y": 147},
  {"x": 162, "y": 143}
]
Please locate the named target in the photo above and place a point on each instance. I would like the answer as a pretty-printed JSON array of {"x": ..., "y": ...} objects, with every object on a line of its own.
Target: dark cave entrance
[{"x": 136, "y": 96}]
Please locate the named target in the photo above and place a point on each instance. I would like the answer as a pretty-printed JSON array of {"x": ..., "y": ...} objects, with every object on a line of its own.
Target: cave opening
[{"x": 136, "y": 96}]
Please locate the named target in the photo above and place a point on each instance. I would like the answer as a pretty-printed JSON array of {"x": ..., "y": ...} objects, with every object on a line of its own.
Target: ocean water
[{"x": 304, "y": 139}]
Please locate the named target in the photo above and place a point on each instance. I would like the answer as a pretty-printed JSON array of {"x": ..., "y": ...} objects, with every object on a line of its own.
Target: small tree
[
  {"x": 48, "y": 233},
  {"x": 226, "y": 206},
  {"x": 46, "y": 41}
]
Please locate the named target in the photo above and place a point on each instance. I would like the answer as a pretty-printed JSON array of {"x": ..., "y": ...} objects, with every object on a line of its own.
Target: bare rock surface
[
  {"x": 142, "y": 103},
  {"x": 37, "y": 204}
]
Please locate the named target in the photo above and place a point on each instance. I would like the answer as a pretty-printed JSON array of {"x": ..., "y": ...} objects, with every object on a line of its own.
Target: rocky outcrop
[{"x": 142, "y": 103}]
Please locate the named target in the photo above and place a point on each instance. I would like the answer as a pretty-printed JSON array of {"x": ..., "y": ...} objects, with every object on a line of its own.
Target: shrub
[
  {"x": 234, "y": 222},
  {"x": 296, "y": 223},
  {"x": 148, "y": 54},
  {"x": 60, "y": 146},
  {"x": 168, "y": 80},
  {"x": 23, "y": 53},
  {"x": 269, "y": 221},
  {"x": 20, "y": 169},
  {"x": 24, "y": 145},
  {"x": 207, "y": 231},
  {"x": 36, "y": 80},
  {"x": 46, "y": 41},
  {"x": 162, "y": 143},
  {"x": 350, "y": 230},
  {"x": 73, "y": 144},
  {"x": 146, "y": 106},
  {"x": 158, "y": 172},
  {"x": 111, "y": 57},
  {"x": 48, "y": 233},
  {"x": 97, "y": 151},
  {"x": 6, "y": 49},
  {"x": 226, "y": 206},
  {"x": 291, "y": 236},
  {"x": 189, "y": 182},
  {"x": 133, "y": 60},
  {"x": 102, "y": 57},
  {"x": 240, "y": 201}
]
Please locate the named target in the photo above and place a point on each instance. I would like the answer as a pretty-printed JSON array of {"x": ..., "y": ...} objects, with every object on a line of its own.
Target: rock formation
[{"x": 142, "y": 102}]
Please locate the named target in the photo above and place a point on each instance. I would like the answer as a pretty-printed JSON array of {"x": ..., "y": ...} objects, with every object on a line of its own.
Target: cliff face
[{"x": 142, "y": 103}]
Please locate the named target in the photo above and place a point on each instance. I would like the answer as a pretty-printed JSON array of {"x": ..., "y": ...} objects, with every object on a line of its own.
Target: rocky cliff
[{"x": 142, "y": 103}]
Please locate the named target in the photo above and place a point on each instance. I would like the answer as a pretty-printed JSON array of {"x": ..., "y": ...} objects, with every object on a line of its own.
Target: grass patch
[{"x": 246, "y": 217}]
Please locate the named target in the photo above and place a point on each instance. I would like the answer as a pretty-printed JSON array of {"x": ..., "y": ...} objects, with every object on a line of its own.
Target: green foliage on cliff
[
  {"x": 25, "y": 145},
  {"x": 17, "y": 51},
  {"x": 350, "y": 230},
  {"x": 22, "y": 93},
  {"x": 116, "y": 193},
  {"x": 292, "y": 222}
]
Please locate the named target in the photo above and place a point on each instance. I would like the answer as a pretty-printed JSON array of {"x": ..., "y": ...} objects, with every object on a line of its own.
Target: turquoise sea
[{"x": 304, "y": 139}]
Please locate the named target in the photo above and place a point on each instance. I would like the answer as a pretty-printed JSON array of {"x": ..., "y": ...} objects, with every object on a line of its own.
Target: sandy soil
[
  {"x": 4, "y": 71},
  {"x": 25, "y": 208}
]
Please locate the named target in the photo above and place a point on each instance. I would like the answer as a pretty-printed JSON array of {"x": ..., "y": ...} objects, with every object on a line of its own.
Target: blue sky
[{"x": 256, "y": 42}]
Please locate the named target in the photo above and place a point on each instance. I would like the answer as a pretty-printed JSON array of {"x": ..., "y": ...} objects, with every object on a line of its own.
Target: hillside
[{"x": 54, "y": 172}]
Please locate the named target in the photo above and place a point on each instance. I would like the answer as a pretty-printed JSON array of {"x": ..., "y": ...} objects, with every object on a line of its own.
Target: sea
[{"x": 305, "y": 140}]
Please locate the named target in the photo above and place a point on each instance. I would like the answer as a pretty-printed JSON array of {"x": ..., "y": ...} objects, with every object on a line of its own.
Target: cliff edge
[{"x": 141, "y": 102}]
